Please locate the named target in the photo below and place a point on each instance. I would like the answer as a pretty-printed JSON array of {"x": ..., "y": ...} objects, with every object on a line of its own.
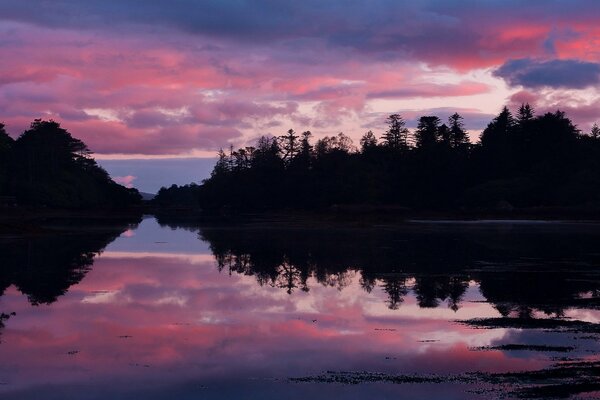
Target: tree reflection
[
  {"x": 519, "y": 271},
  {"x": 43, "y": 267},
  {"x": 288, "y": 259}
]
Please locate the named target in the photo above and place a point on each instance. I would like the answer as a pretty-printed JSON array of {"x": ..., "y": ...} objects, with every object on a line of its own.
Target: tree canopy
[
  {"x": 519, "y": 162},
  {"x": 46, "y": 166}
]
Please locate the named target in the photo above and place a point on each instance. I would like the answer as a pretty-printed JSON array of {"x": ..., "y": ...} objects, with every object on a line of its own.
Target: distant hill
[{"x": 147, "y": 196}]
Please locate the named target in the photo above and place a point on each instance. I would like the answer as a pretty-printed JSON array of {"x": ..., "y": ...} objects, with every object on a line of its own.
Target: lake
[{"x": 426, "y": 310}]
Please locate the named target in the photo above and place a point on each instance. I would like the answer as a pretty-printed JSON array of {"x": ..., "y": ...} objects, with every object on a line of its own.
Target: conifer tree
[
  {"x": 458, "y": 134},
  {"x": 396, "y": 137}
]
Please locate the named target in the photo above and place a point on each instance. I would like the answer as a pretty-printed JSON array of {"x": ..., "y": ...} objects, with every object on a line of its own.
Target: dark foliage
[
  {"x": 46, "y": 166},
  {"x": 523, "y": 161},
  {"x": 545, "y": 271},
  {"x": 43, "y": 267}
]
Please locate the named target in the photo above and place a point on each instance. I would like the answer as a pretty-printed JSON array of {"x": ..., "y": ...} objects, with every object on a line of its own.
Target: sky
[{"x": 146, "y": 80}]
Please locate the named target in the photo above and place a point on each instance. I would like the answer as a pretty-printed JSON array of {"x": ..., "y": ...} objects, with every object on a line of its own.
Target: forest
[
  {"x": 46, "y": 167},
  {"x": 521, "y": 161}
]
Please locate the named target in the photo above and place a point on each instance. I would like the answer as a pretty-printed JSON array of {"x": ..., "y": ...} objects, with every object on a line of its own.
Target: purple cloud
[{"x": 571, "y": 74}]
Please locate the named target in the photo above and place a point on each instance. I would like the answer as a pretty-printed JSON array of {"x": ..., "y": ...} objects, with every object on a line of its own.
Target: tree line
[
  {"x": 521, "y": 161},
  {"x": 46, "y": 166}
]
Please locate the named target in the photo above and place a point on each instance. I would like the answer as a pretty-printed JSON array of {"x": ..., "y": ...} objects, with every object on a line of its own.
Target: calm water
[{"x": 173, "y": 310}]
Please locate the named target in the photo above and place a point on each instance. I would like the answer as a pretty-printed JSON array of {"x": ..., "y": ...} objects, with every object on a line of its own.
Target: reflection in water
[
  {"x": 520, "y": 271},
  {"x": 154, "y": 318},
  {"x": 45, "y": 266}
]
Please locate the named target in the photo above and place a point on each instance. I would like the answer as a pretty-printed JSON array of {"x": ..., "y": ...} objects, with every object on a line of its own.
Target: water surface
[{"x": 425, "y": 310}]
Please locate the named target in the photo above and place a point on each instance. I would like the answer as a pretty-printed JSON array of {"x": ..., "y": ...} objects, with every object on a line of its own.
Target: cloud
[
  {"x": 434, "y": 90},
  {"x": 450, "y": 33},
  {"x": 580, "y": 108},
  {"x": 175, "y": 78},
  {"x": 531, "y": 73},
  {"x": 126, "y": 181}
]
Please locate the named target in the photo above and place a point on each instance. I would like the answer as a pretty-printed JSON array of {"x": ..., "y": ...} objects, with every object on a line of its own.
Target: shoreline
[
  {"x": 26, "y": 221},
  {"x": 16, "y": 222}
]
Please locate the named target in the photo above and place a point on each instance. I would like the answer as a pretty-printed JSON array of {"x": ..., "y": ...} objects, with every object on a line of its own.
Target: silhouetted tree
[
  {"x": 525, "y": 113},
  {"x": 368, "y": 141},
  {"x": 396, "y": 136},
  {"x": 222, "y": 167},
  {"x": 427, "y": 133},
  {"x": 306, "y": 149},
  {"x": 531, "y": 161},
  {"x": 458, "y": 135},
  {"x": 6, "y": 146},
  {"x": 595, "y": 132},
  {"x": 444, "y": 135},
  {"x": 289, "y": 145},
  {"x": 495, "y": 145},
  {"x": 495, "y": 136},
  {"x": 50, "y": 167}
]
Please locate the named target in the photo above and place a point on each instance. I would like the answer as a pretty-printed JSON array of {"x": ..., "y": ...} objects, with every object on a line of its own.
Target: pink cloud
[
  {"x": 179, "y": 87},
  {"x": 434, "y": 90},
  {"x": 177, "y": 326},
  {"x": 126, "y": 181},
  {"x": 580, "y": 109}
]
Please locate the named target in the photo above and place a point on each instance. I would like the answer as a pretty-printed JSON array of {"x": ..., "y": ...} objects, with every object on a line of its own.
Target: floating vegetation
[
  {"x": 353, "y": 378},
  {"x": 557, "y": 324},
  {"x": 558, "y": 381},
  {"x": 526, "y": 347}
]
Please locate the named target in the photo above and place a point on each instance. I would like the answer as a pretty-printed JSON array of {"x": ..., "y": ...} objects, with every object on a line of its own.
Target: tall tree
[
  {"x": 595, "y": 132},
  {"x": 344, "y": 143},
  {"x": 6, "y": 145},
  {"x": 497, "y": 132},
  {"x": 368, "y": 141},
  {"x": 525, "y": 113},
  {"x": 396, "y": 137},
  {"x": 221, "y": 168},
  {"x": 305, "y": 153},
  {"x": 6, "y": 141},
  {"x": 445, "y": 135},
  {"x": 266, "y": 156},
  {"x": 289, "y": 145},
  {"x": 496, "y": 140},
  {"x": 46, "y": 147},
  {"x": 458, "y": 134},
  {"x": 56, "y": 169},
  {"x": 427, "y": 133}
]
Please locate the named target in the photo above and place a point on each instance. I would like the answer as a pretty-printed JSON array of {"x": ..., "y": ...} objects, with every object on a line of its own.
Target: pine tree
[
  {"x": 497, "y": 131},
  {"x": 396, "y": 137},
  {"x": 595, "y": 132},
  {"x": 525, "y": 113},
  {"x": 458, "y": 134},
  {"x": 427, "y": 133},
  {"x": 368, "y": 141},
  {"x": 444, "y": 135},
  {"x": 6, "y": 144},
  {"x": 221, "y": 168},
  {"x": 290, "y": 145}
]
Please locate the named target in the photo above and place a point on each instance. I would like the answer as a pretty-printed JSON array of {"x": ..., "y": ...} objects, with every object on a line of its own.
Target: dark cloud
[
  {"x": 432, "y": 30},
  {"x": 170, "y": 76},
  {"x": 570, "y": 74}
]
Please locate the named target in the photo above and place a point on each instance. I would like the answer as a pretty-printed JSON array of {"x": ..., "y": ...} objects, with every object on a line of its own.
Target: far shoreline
[{"x": 18, "y": 221}]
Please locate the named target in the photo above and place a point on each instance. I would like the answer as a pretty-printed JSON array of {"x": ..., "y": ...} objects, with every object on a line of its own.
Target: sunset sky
[{"x": 140, "y": 80}]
